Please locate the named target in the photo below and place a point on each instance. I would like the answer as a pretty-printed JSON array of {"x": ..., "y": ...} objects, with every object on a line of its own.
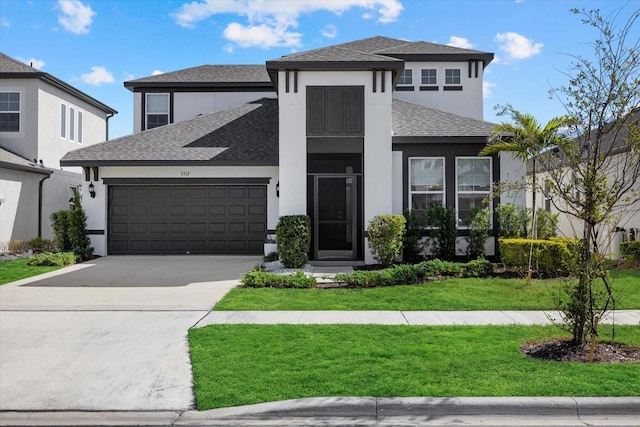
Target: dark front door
[{"x": 335, "y": 217}]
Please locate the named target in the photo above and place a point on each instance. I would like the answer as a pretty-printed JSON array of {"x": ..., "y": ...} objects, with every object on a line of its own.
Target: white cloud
[
  {"x": 330, "y": 31},
  {"x": 271, "y": 23},
  {"x": 156, "y": 72},
  {"x": 487, "y": 87},
  {"x": 461, "y": 42},
  {"x": 518, "y": 46},
  {"x": 4, "y": 22},
  {"x": 76, "y": 17},
  {"x": 35, "y": 63},
  {"x": 97, "y": 76}
]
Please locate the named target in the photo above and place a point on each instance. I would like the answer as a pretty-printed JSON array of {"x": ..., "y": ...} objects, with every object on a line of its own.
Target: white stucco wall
[
  {"x": 377, "y": 141},
  {"x": 97, "y": 208},
  {"x": 18, "y": 205},
  {"x": 513, "y": 174},
  {"x": 467, "y": 102}
]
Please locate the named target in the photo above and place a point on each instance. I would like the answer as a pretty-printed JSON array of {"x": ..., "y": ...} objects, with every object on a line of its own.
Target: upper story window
[
  {"x": 63, "y": 121},
  {"x": 80, "y": 127},
  {"x": 452, "y": 76},
  {"x": 429, "y": 77},
  {"x": 157, "y": 110},
  {"x": 406, "y": 78},
  {"x": 72, "y": 123},
  {"x": 426, "y": 181},
  {"x": 473, "y": 186},
  {"x": 9, "y": 111}
]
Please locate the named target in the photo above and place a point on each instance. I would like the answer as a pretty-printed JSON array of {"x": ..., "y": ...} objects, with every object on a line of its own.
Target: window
[
  {"x": 452, "y": 76},
  {"x": 429, "y": 77},
  {"x": 473, "y": 186},
  {"x": 80, "y": 127},
  {"x": 406, "y": 78},
  {"x": 157, "y": 110},
  {"x": 9, "y": 111},
  {"x": 72, "y": 124},
  {"x": 63, "y": 121},
  {"x": 426, "y": 181}
]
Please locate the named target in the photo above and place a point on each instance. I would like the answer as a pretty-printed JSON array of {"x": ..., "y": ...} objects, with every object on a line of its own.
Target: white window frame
[
  {"x": 442, "y": 192},
  {"x": 422, "y": 77},
  {"x": 475, "y": 192},
  {"x": 63, "y": 120},
  {"x": 403, "y": 76},
  {"x": 146, "y": 109},
  {"x": 19, "y": 112},
  {"x": 450, "y": 77}
]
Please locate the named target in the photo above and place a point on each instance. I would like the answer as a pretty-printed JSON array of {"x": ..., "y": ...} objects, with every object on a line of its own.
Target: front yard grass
[
  {"x": 17, "y": 269},
  {"x": 246, "y": 364},
  {"x": 448, "y": 294}
]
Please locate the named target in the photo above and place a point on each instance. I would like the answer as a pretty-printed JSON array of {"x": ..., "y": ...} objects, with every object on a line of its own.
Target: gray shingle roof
[
  {"x": 10, "y": 65},
  {"x": 210, "y": 74},
  {"x": 13, "y": 69},
  {"x": 416, "y": 120},
  {"x": 426, "y": 48},
  {"x": 242, "y": 135},
  {"x": 334, "y": 54}
]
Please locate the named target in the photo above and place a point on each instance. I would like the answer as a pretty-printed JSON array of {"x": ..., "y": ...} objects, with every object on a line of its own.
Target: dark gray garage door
[{"x": 221, "y": 219}]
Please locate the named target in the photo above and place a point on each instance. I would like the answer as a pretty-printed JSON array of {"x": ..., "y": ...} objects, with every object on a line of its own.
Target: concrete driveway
[{"x": 109, "y": 334}]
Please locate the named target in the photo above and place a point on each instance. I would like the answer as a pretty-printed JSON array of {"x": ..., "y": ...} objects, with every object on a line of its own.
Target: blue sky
[{"x": 96, "y": 45}]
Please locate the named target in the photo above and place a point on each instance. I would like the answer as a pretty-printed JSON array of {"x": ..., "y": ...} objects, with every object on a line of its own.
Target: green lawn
[
  {"x": 246, "y": 364},
  {"x": 13, "y": 270},
  {"x": 450, "y": 294}
]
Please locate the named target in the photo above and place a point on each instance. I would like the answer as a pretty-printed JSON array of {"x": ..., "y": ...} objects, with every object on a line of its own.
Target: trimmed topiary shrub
[
  {"x": 385, "y": 237},
  {"x": 294, "y": 240},
  {"x": 415, "y": 223},
  {"x": 60, "y": 222},
  {"x": 478, "y": 233},
  {"x": 442, "y": 238},
  {"x": 630, "y": 251},
  {"x": 546, "y": 255}
]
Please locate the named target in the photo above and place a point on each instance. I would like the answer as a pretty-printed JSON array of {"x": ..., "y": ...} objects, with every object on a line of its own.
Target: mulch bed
[{"x": 563, "y": 350}]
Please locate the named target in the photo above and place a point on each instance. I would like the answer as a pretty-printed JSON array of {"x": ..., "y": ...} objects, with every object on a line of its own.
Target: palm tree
[{"x": 526, "y": 139}]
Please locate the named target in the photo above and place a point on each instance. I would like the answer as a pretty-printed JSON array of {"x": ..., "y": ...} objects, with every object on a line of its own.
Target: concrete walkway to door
[{"x": 75, "y": 339}]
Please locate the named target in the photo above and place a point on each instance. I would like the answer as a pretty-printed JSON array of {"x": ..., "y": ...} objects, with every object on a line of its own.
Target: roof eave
[
  {"x": 485, "y": 57},
  {"x": 207, "y": 162},
  {"x": 140, "y": 86}
]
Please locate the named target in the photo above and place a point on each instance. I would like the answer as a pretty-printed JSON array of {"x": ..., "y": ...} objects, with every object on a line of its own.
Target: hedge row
[
  {"x": 630, "y": 250},
  {"x": 552, "y": 255},
  {"x": 398, "y": 275}
]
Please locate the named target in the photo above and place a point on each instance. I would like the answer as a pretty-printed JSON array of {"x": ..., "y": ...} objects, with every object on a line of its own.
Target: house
[
  {"x": 621, "y": 167},
  {"x": 41, "y": 119},
  {"x": 341, "y": 133}
]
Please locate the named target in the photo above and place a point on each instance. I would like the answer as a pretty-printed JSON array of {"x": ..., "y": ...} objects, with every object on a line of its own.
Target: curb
[{"x": 486, "y": 411}]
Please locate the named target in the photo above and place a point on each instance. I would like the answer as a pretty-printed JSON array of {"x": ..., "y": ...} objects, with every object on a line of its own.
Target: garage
[{"x": 186, "y": 219}]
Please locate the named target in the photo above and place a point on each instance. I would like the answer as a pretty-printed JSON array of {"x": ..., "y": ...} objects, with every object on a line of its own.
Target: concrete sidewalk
[
  {"x": 621, "y": 317},
  {"x": 370, "y": 411}
]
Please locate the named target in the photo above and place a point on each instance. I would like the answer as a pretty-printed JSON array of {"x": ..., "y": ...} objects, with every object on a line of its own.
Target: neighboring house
[
  {"x": 41, "y": 119},
  {"x": 341, "y": 134},
  {"x": 624, "y": 223}
]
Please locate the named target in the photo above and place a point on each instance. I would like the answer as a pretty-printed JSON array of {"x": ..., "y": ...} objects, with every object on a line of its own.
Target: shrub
[
  {"x": 546, "y": 224},
  {"x": 478, "y": 233},
  {"x": 385, "y": 237},
  {"x": 415, "y": 273},
  {"x": 477, "y": 268},
  {"x": 442, "y": 239},
  {"x": 546, "y": 255},
  {"x": 17, "y": 246},
  {"x": 416, "y": 221},
  {"x": 273, "y": 256},
  {"x": 264, "y": 279},
  {"x": 294, "y": 240},
  {"x": 38, "y": 244},
  {"x": 60, "y": 221},
  {"x": 80, "y": 241},
  {"x": 630, "y": 250},
  {"x": 59, "y": 259},
  {"x": 512, "y": 221}
]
